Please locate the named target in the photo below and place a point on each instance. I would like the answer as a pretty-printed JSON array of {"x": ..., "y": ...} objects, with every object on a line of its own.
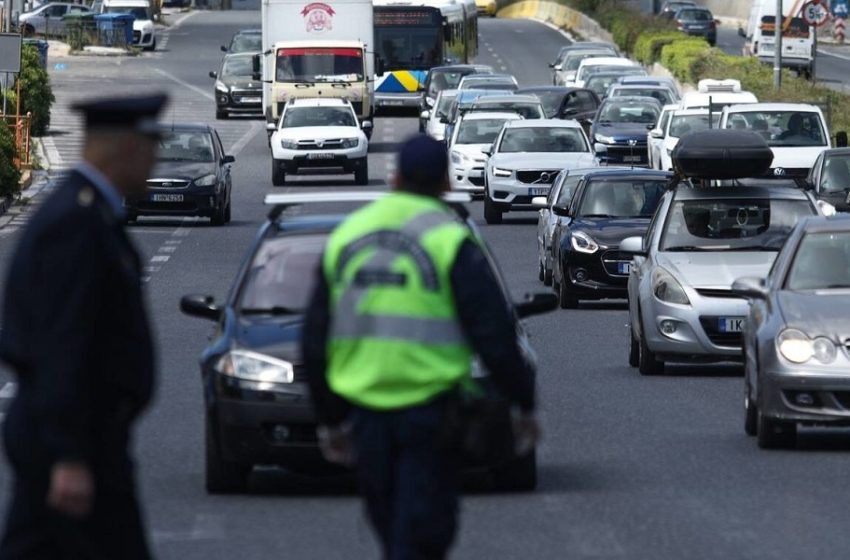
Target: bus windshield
[
  {"x": 319, "y": 65},
  {"x": 409, "y": 39}
]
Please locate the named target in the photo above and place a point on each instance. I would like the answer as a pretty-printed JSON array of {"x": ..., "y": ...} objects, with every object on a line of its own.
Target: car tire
[
  {"x": 540, "y": 273},
  {"x": 278, "y": 174},
  {"x": 776, "y": 434},
  {"x": 517, "y": 475},
  {"x": 634, "y": 349},
  {"x": 648, "y": 364},
  {"x": 152, "y": 47},
  {"x": 219, "y": 217},
  {"x": 492, "y": 214},
  {"x": 751, "y": 411},
  {"x": 227, "y": 214},
  {"x": 28, "y": 31},
  {"x": 222, "y": 477},
  {"x": 361, "y": 176},
  {"x": 565, "y": 299},
  {"x": 221, "y": 115},
  {"x": 547, "y": 275}
]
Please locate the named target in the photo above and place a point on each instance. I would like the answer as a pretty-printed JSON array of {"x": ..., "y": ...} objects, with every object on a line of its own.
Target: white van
[
  {"x": 797, "y": 40},
  {"x": 796, "y": 132},
  {"x": 717, "y": 93},
  {"x": 144, "y": 32}
]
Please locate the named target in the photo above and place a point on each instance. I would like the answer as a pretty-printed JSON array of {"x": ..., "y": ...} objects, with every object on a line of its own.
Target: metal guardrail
[{"x": 20, "y": 127}]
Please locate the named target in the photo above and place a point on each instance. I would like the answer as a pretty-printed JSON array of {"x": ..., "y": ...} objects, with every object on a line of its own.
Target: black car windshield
[
  {"x": 139, "y": 13},
  {"x": 246, "y": 42},
  {"x": 621, "y": 198},
  {"x": 694, "y": 15},
  {"x": 543, "y": 139},
  {"x": 318, "y": 116},
  {"x": 281, "y": 274},
  {"x": 822, "y": 262},
  {"x": 185, "y": 146},
  {"x": 444, "y": 79},
  {"x": 663, "y": 95},
  {"x": 638, "y": 112},
  {"x": 782, "y": 128},
  {"x": 479, "y": 131},
  {"x": 567, "y": 190},
  {"x": 836, "y": 174},
  {"x": 525, "y": 110},
  {"x": 240, "y": 66},
  {"x": 738, "y": 224},
  {"x": 681, "y": 125}
]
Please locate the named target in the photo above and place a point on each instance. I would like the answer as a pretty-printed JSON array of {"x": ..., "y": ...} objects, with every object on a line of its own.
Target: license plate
[
  {"x": 624, "y": 268},
  {"x": 731, "y": 324},
  {"x": 320, "y": 156},
  {"x": 538, "y": 191},
  {"x": 628, "y": 159},
  {"x": 251, "y": 100},
  {"x": 167, "y": 197},
  {"x": 394, "y": 102}
]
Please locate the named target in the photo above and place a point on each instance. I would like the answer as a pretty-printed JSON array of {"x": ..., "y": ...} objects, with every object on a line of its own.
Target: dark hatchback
[
  {"x": 830, "y": 178},
  {"x": 619, "y": 129},
  {"x": 257, "y": 406},
  {"x": 236, "y": 90},
  {"x": 606, "y": 207},
  {"x": 191, "y": 176},
  {"x": 698, "y": 22},
  {"x": 245, "y": 40},
  {"x": 565, "y": 102},
  {"x": 444, "y": 77}
]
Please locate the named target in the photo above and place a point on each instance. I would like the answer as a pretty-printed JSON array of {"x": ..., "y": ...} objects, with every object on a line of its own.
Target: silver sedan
[{"x": 797, "y": 359}]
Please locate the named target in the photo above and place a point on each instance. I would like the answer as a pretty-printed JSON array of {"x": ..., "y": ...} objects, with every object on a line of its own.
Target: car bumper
[
  {"x": 789, "y": 61},
  {"x": 830, "y": 393},
  {"x": 239, "y": 104},
  {"x": 346, "y": 163},
  {"x": 625, "y": 155},
  {"x": 710, "y": 35},
  {"x": 197, "y": 201},
  {"x": 697, "y": 336},
  {"x": 143, "y": 38},
  {"x": 600, "y": 275},
  {"x": 397, "y": 100},
  {"x": 512, "y": 194},
  {"x": 467, "y": 179}
]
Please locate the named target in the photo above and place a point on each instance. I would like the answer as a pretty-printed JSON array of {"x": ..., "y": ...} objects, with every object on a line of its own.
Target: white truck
[
  {"x": 317, "y": 49},
  {"x": 797, "y": 39}
]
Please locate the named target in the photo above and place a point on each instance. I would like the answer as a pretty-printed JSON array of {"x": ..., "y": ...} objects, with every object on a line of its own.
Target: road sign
[
  {"x": 815, "y": 13},
  {"x": 10, "y": 52},
  {"x": 840, "y": 8}
]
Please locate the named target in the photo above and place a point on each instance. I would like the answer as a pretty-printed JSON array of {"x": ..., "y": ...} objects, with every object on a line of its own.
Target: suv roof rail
[
  {"x": 716, "y": 86},
  {"x": 280, "y": 202}
]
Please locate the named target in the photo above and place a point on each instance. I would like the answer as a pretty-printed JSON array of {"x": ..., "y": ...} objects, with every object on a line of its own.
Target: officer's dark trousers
[{"x": 410, "y": 484}]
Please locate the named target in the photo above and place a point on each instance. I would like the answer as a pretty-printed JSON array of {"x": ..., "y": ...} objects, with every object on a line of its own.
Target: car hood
[
  {"x": 181, "y": 170},
  {"x": 535, "y": 160},
  {"x": 817, "y": 313},
  {"x": 621, "y": 132},
  {"x": 241, "y": 82},
  {"x": 318, "y": 132},
  {"x": 142, "y": 25},
  {"x": 610, "y": 231},
  {"x": 278, "y": 337},
  {"x": 717, "y": 269},
  {"x": 472, "y": 150}
]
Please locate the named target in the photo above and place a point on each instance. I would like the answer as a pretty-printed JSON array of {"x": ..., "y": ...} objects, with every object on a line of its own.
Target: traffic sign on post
[{"x": 815, "y": 13}]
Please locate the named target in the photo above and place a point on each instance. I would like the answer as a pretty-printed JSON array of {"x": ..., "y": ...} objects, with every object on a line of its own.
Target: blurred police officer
[
  {"x": 404, "y": 300},
  {"x": 76, "y": 333}
]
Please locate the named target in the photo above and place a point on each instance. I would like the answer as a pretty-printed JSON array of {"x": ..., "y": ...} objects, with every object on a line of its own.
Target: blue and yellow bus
[{"x": 413, "y": 36}]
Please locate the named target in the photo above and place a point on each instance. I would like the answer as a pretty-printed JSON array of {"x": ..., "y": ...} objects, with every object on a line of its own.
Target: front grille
[
  {"x": 137, "y": 36},
  {"x": 186, "y": 206},
  {"x": 335, "y": 144},
  {"x": 636, "y": 154},
  {"x": 718, "y": 293},
  {"x": 779, "y": 172},
  {"x": 477, "y": 181},
  {"x": 611, "y": 261},
  {"x": 537, "y": 176},
  {"x": 843, "y": 398},
  {"x": 167, "y": 184},
  {"x": 711, "y": 326},
  {"x": 239, "y": 95}
]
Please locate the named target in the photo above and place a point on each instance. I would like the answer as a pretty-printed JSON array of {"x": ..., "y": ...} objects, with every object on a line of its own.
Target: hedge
[
  {"x": 647, "y": 49},
  {"x": 36, "y": 93},
  {"x": 10, "y": 177}
]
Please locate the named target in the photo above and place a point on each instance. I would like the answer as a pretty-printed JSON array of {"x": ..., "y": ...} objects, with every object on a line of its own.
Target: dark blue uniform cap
[
  {"x": 137, "y": 113},
  {"x": 422, "y": 160}
]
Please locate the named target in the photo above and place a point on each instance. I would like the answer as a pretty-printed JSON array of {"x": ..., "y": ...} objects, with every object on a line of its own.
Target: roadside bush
[
  {"x": 10, "y": 177},
  {"x": 682, "y": 57},
  {"x": 36, "y": 93},
  {"x": 647, "y": 49}
]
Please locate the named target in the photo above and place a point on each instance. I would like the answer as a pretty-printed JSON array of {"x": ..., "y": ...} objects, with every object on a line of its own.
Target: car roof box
[
  {"x": 718, "y": 86},
  {"x": 722, "y": 154}
]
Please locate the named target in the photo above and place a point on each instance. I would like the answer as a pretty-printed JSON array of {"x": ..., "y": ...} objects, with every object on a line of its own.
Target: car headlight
[
  {"x": 795, "y": 346},
  {"x": 252, "y": 366},
  {"x": 288, "y": 144},
  {"x": 206, "y": 180},
  {"x": 219, "y": 86},
  {"x": 350, "y": 142},
  {"x": 583, "y": 243},
  {"x": 668, "y": 289},
  {"x": 459, "y": 158},
  {"x": 498, "y": 172},
  {"x": 604, "y": 139}
]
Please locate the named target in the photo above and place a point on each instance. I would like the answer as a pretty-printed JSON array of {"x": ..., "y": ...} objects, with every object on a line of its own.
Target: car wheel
[
  {"x": 492, "y": 215},
  {"x": 227, "y": 213},
  {"x": 547, "y": 274},
  {"x": 221, "y": 115},
  {"x": 565, "y": 298},
  {"x": 219, "y": 217},
  {"x": 776, "y": 434},
  {"x": 152, "y": 47},
  {"x": 634, "y": 349},
  {"x": 361, "y": 176},
  {"x": 28, "y": 30},
  {"x": 222, "y": 477},
  {"x": 648, "y": 364},
  {"x": 278, "y": 174},
  {"x": 517, "y": 475},
  {"x": 751, "y": 412},
  {"x": 540, "y": 273}
]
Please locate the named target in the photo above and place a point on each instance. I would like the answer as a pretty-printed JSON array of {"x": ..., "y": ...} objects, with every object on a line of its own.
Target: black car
[
  {"x": 236, "y": 90},
  {"x": 619, "y": 129},
  {"x": 698, "y": 22},
  {"x": 257, "y": 406},
  {"x": 191, "y": 176},
  {"x": 565, "y": 102},
  {"x": 245, "y": 40},
  {"x": 444, "y": 77},
  {"x": 606, "y": 207},
  {"x": 830, "y": 178}
]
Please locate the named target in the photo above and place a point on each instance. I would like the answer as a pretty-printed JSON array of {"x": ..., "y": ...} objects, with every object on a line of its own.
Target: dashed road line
[
  {"x": 9, "y": 390},
  {"x": 185, "y": 84}
]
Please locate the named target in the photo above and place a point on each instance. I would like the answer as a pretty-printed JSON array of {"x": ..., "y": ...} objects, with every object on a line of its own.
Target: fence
[
  {"x": 87, "y": 32},
  {"x": 20, "y": 127}
]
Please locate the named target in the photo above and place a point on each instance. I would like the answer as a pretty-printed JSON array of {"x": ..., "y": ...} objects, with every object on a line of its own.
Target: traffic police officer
[
  {"x": 405, "y": 297},
  {"x": 76, "y": 333}
]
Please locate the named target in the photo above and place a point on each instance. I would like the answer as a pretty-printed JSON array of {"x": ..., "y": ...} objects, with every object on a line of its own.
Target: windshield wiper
[
  {"x": 690, "y": 248},
  {"x": 597, "y": 216},
  {"x": 276, "y": 310},
  {"x": 752, "y": 248},
  {"x": 837, "y": 286}
]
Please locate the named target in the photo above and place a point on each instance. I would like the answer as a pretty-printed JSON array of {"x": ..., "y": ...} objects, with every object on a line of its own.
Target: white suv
[{"x": 319, "y": 134}]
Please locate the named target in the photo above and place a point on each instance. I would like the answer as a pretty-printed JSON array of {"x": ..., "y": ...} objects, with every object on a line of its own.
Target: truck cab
[{"x": 797, "y": 38}]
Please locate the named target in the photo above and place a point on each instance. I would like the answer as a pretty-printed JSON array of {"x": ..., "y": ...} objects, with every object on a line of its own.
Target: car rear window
[
  {"x": 822, "y": 262},
  {"x": 621, "y": 198}
]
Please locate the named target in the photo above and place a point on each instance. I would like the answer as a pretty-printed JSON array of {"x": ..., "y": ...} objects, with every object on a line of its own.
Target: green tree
[
  {"x": 36, "y": 93},
  {"x": 10, "y": 177}
]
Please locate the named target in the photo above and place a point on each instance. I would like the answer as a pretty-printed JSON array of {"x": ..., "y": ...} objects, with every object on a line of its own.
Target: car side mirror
[
  {"x": 228, "y": 159},
  {"x": 223, "y": 48},
  {"x": 600, "y": 149},
  {"x": 488, "y": 150},
  {"x": 200, "y": 306},
  {"x": 558, "y": 67},
  {"x": 539, "y": 202},
  {"x": 656, "y": 133},
  {"x": 425, "y": 115},
  {"x": 379, "y": 66},
  {"x": 444, "y": 119},
  {"x": 214, "y": 75},
  {"x": 750, "y": 287},
  {"x": 537, "y": 304},
  {"x": 841, "y": 139},
  {"x": 570, "y": 112},
  {"x": 271, "y": 127},
  {"x": 633, "y": 245},
  {"x": 366, "y": 125},
  {"x": 256, "y": 68},
  {"x": 561, "y": 211}
]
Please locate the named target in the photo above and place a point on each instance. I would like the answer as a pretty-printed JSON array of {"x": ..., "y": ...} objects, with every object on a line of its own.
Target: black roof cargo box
[{"x": 722, "y": 154}]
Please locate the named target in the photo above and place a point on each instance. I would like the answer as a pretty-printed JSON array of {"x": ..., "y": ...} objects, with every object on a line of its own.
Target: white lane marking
[
  {"x": 152, "y": 268},
  {"x": 167, "y": 249},
  {"x": 835, "y": 55},
  {"x": 9, "y": 390},
  {"x": 173, "y": 241},
  {"x": 176, "y": 80},
  {"x": 240, "y": 144},
  {"x": 160, "y": 258},
  {"x": 179, "y": 21},
  {"x": 504, "y": 68}
]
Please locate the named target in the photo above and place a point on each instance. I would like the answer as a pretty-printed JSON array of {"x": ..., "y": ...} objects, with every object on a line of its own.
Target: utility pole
[{"x": 779, "y": 20}]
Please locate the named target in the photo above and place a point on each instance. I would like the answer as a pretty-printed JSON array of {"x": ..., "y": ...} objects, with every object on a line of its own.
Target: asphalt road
[{"x": 630, "y": 467}]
